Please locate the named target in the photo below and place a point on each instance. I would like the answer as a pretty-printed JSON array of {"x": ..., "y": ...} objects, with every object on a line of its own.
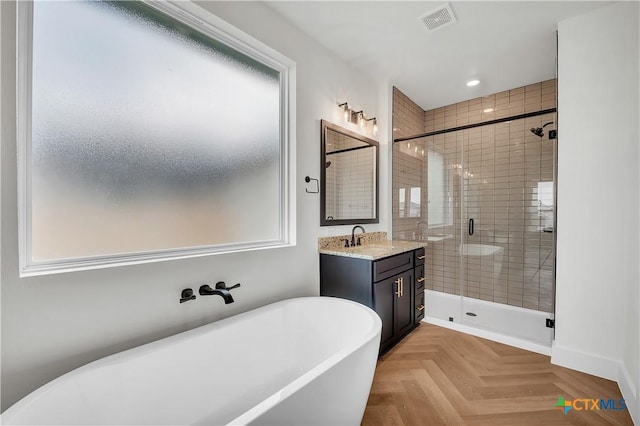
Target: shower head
[
  {"x": 538, "y": 130},
  {"x": 327, "y": 164}
]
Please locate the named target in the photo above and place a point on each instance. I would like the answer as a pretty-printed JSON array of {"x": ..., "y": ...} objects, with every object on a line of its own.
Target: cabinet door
[
  {"x": 384, "y": 301},
  {"x": 404, "y": 303}
]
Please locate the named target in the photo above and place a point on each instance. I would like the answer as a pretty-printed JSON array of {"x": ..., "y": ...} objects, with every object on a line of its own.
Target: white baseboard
[
  {"x": 602, "y": 367},
  {"x": 490, "y": 335},
  {"x": 629, "y": 393},
  {"x": 587, "y": 363}
]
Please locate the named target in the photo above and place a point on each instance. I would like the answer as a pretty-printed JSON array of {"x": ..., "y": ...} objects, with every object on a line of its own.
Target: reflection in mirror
[{"x": 349, "y": 177}]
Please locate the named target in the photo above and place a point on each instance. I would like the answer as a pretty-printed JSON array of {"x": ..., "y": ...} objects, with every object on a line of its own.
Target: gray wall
[{"x": 53, "y": 324}]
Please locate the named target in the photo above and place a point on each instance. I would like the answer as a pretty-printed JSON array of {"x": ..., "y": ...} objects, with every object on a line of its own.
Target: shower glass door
[
  {"x": 507, "y": 226},
  {"x": 443, "y": 177},
  {"x": 482, "y": 198}
]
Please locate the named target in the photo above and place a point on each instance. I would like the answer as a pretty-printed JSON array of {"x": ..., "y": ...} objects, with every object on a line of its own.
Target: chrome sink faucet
[{"x": 353, "y": 236}]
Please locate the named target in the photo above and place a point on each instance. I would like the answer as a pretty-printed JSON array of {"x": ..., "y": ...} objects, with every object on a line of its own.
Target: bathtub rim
[{"x": 25, "y": 402}]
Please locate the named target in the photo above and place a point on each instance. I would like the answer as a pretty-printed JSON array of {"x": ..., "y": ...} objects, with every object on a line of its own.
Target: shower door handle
[{"x": 470, "y": 226}]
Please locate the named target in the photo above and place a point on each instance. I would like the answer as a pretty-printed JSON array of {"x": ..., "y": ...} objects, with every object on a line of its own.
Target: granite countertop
[{"x": 373, "y": 246}]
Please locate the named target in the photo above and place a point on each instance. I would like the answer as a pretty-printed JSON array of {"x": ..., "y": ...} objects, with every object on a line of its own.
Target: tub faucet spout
[{"x": 220, "y": 290}]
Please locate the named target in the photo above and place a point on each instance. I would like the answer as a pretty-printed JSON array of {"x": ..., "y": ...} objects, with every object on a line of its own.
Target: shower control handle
[{"x": 470, "y": 226}]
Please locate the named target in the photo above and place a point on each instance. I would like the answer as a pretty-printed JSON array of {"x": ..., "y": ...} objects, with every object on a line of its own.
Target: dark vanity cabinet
[{"x": 393, "y": 286}]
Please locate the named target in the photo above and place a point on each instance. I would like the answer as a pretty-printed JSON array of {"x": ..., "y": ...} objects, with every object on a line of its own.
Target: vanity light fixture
[
  {"x": 375, "y": 124},
  {"x": 357, "y": 117},
  {"x": 346, "y": 109}
]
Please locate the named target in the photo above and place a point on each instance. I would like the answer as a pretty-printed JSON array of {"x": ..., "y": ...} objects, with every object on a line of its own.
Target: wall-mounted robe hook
[{"x": 309, "y": 179}]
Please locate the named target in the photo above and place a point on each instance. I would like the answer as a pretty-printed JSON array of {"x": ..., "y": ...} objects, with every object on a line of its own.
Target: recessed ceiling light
[
  {"x": 487, "y": 110},
  {"x": 472, "y": 83}
]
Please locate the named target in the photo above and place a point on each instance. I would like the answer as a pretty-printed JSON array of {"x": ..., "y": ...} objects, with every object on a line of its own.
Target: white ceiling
[{"x": 504, "y": 44}]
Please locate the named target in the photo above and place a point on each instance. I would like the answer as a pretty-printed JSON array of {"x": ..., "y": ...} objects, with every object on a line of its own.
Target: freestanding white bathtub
[{"x": 305, "y": 361}]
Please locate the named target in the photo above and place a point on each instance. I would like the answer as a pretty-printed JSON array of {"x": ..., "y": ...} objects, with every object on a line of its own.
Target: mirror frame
[{"x": 324, "y": 126}]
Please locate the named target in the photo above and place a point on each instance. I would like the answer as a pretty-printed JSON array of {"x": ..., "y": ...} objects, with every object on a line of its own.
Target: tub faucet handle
[
  {"x": 220, "y": 285},
  {"x": 186, "y": 295}
]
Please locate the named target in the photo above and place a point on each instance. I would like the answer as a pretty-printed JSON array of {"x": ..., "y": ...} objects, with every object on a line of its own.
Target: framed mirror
[{"x": 348, "y": 177}]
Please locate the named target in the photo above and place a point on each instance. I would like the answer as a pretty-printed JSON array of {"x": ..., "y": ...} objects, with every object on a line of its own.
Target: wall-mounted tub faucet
[{"x": 220, "y": 290}]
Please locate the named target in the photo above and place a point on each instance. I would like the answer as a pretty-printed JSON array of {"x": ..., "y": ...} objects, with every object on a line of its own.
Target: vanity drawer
[
  {"x": 420, "y": 256},
  {"x": 420, "y": 278},
  {"x": 390, "y": 266},
  {"x": 419, "y": 307}
]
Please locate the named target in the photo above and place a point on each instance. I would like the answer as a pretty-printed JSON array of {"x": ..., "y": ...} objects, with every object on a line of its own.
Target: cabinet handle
[
  {"x": 421, "y": 308},
  {"x": 397, "y": 282},
  {"x": 421, "y": 279},
  {"x": 422, "y": 257},
  {"x": 401, "y": 286}
]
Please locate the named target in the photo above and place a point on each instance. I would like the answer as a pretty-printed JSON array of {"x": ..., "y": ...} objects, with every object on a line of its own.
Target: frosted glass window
[{"x": 148, "y": 136}]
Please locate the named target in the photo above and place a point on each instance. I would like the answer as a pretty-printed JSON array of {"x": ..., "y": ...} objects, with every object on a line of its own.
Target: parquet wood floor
[{"x": 437, "y": 376}]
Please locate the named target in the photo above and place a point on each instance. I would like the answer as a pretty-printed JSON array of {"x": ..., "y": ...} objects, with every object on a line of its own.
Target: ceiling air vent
[{"x": 438, "y": 18}]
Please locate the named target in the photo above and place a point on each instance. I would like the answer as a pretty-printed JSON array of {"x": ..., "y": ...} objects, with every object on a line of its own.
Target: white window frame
[{"x": 211, "y": 26}]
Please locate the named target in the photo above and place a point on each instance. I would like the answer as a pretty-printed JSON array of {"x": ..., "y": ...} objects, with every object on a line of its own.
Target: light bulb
[
  {"x": 361, "y": 120},
  {"x": 375, "y": 127},
  {"x": 346, "y": 114}
]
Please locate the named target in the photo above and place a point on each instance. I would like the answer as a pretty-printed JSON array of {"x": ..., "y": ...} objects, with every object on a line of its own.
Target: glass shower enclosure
[{"x": 482, "y": 197}]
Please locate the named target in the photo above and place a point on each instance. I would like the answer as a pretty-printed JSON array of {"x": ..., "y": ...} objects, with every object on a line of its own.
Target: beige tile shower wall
[
  {"x": 408, "y": 117},
  {"x": 531, "y": 98},
  {"x": 505, "y": 168},
  {"x": 408, "y": 173},
  {"x": 408, "y": 164}
]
